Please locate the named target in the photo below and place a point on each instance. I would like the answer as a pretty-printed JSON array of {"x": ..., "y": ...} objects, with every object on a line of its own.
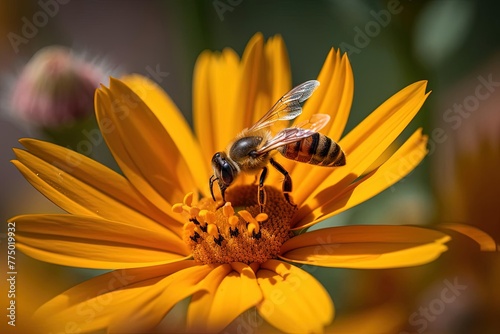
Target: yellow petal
[
  {"x": 91, "y": 305},
  {"x": 143, "y": 149},
  {"x": 203, "y": 110},
  {"x": 91, "y": 242},
  {"x": 175, "y": 125},
  {"x": 365, "y": 143},
  {"x": 294, "y": 301},
  {"x": 365, "y": 247},
  {"x": 484, "y": 240},
  {"x": 277, "y": 70},
  {"x": 86, "y": 187},
  {"x": 209, "y": 311},
  {"x": 251, "y": 82},
  {"x": 199, "y": 309},
  {"x": 400, "y": 164},
  {"x": 215, "y": 84},
  {"x": 332, "y": 97},
  {"x": 153, "y": 304},
  {"x": 273, "y": 78},
  {"x": 265, "y": 77},
  {"x": 383, "y": 157}
]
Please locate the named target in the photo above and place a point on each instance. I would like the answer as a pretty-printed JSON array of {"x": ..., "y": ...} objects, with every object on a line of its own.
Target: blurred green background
[{"x": 451, "y": 43}]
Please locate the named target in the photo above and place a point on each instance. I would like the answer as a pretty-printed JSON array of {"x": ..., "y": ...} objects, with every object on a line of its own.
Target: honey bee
[{"x": 252, "y": 150}]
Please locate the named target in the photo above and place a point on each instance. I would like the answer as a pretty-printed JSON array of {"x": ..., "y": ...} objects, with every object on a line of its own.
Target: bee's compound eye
[{"x": 226, "y": 173}]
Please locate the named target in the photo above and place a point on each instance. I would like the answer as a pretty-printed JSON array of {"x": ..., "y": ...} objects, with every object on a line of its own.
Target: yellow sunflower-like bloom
[{"x": 165, "y": 244}]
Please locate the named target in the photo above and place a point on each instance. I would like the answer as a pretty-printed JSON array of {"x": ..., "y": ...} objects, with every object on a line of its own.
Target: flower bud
[{"x": 55, "y": 88}]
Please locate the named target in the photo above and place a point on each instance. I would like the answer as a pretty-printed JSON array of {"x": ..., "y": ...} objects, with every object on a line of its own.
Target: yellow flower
[{"x": 163, "y": 256}]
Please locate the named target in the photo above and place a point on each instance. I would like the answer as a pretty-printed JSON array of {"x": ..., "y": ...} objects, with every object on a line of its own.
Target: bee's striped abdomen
[{"x": 317, "y": 149}]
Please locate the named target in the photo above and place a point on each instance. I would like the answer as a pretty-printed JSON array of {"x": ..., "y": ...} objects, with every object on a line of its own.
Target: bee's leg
[
  {"x": 261, "y": 196},
  {"x": 223, "y": 194},
  {"x": 211, "y": 185},
  {"x": 222, "y": 191},
  {"x": 287, "y": 182}
]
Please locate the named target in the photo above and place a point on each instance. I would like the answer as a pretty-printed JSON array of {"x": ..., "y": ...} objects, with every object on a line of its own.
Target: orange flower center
[{"x": 238, "y": 231}]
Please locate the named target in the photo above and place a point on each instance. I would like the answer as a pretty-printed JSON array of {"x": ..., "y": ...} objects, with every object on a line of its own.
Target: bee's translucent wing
[
  {"x": 288, "y": 107},
  {"x": 296, "y": 133},
  {"x": 315, "y": 123}
]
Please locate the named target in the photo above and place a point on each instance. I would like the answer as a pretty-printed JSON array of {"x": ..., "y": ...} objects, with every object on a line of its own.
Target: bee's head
[{"x": 224, "y": 173}]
